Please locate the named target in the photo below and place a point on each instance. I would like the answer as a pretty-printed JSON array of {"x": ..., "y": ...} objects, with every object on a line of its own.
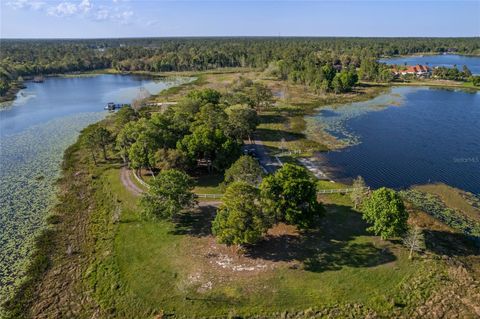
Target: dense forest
[{"x": 311, "y": 61}]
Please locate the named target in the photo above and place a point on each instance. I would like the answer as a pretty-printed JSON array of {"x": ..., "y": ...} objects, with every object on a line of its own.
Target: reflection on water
[{"x": 434, "y": 136}]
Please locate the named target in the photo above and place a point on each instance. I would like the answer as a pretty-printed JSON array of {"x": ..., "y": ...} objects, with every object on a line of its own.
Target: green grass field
[
  {"x": 155, "y": 267},
  {"x": 178, "y": 268},
  {"x": 208, "y": 184}
]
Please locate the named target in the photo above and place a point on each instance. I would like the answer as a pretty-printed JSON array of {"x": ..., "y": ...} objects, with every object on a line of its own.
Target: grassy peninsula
[{"x": 100, "y": 257}]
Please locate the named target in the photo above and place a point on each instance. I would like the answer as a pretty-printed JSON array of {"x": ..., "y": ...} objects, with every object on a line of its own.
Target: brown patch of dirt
[
  {"x": 212, "y": 263},
  {"x": 125, "y": 176},
  {"x": 282, "y": 230}
]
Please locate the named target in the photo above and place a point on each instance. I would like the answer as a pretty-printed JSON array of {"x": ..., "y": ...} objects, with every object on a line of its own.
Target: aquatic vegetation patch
[
  {"x": 30, "y": 163},
  {"x": 434, "y": 206},
  {"x": 329, "y": 125},
  {"x": 29, "y": 166}
]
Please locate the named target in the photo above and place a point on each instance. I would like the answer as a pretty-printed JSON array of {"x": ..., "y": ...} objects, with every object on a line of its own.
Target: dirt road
[{"x": 125, "y": 176}]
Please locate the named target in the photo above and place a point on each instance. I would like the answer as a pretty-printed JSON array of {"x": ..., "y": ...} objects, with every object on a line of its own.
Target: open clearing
[{"x": 179, "y": 268}]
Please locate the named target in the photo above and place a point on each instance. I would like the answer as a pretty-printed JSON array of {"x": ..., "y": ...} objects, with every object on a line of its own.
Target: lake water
[
  {"x": 447, "y": 60},
  {"x": 35, "y": 130},
  {"x": 409, "y": 136}
]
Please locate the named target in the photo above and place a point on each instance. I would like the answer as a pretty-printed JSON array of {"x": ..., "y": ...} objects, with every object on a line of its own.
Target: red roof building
[{"x": 412, "y": 69}]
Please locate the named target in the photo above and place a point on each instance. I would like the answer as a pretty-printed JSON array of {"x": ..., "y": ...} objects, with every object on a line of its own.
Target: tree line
[
  {"x": 453, "y": 73},
  {"x": 296, "y": 57}
]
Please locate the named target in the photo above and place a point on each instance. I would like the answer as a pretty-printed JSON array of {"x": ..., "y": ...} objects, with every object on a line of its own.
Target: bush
[
  {"x": 385, "y": 211},
  {"x": 475, "y": 80}
]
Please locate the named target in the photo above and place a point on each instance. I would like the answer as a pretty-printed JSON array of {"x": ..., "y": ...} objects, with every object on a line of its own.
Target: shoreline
[
  {"x": 333, "y": 171},
  {"x": 9, "y": 97},
  {"x": 337, "y": 143},
  {"x": 55, "y": 232},
  {"x": 38, "y": 252},
  {"x": 420, "y": 54},
  {"x": 17, "y": 304}
]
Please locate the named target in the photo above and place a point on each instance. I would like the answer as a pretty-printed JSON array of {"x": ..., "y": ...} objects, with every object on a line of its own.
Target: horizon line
[{"x": 238, "y": 36}]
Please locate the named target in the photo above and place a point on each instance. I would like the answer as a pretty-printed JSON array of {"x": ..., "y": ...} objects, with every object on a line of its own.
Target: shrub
[{"x": 386, "y": 213}]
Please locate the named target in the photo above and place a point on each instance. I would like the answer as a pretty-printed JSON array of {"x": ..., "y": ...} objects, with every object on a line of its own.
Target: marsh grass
[{"x": 454, "y": 211}]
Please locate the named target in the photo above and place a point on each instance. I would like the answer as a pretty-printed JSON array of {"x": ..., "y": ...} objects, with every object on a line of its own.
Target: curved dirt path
[
  {"x": 125, "y": 177},
  {"x": 127, "y": 182}
]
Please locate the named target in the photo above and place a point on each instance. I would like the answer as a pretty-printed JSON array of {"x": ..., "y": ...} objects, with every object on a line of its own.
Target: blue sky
[{"x": 142, "y": 18}]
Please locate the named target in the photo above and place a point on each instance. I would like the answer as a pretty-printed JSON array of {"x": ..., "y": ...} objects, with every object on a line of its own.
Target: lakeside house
[{"x": 417, "y": 70}]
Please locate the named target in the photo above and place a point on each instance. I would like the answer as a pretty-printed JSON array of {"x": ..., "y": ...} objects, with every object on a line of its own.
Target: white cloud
[
  {"x": 102, "y": 14},
  {"x": 122, "y": 16},
  {"x": 28, "y": 4},
  {"x": 17, "y": 4},
  {"x": 69, "y": 8},
  {"x": 151, "y": 23},
  {"x": 63, "y": 9},
  {"x": 117, "y": 11},
  {"x": 125, "y": 17},
  {"x": 85, "y": 6},
  {"x": 37, "y": 5}
]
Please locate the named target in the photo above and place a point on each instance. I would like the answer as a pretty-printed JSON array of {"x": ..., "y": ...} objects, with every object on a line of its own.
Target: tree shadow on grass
[
  {"x": 300, "y": 109},
  {"x": 272, "y": 118},
  {"x": 329, "y": 246},
  {"x": 205, "y": 179},
  {"x": 451, "y": 244},
  {"x": 277, "y": 135},
  {"x": 340, "y": 254},
  {"x": 197, "y": 223}
]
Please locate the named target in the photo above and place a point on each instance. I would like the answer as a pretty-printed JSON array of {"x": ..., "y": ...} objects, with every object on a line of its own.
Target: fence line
[
  {"x": 209, "y": 195},
  {"x": 278, "y": 160},
  {"x": 143, "y": 183},
  {"x": 342, "y": 190},
  {"x": 215, "y": 196}
]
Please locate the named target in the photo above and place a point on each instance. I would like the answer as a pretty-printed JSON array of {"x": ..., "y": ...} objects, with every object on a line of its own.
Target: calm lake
[
  {"x": 409, "y": 136},
  {"x": 35, "y": 130},
  {"x": 448, "y": 60}
]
